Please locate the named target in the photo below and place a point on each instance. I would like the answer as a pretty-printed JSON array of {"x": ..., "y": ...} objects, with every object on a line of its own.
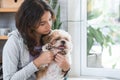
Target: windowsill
[{"x": 88, "y": 78}]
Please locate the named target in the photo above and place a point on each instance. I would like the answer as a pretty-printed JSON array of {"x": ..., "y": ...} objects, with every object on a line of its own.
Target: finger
[
  {"x": 50, "y": 54},
  {"x": 58, "y": 58},
  {"x": 59, "y": 55},
  {"x": 58, "y": 62}
]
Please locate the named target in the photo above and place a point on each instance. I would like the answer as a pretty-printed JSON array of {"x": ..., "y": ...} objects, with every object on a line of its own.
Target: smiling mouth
[
  {"x": 47, "y": 31},
  {"x": 61, "y": 47}
]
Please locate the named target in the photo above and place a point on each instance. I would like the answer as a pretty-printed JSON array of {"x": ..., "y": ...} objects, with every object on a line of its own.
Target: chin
[
  {"x": 59, "y": 42},
  {"x": 46, "y": 33}
]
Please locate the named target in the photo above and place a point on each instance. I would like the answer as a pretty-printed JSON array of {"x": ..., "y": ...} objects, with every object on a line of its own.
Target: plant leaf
[{"x": 90, "y": 42}]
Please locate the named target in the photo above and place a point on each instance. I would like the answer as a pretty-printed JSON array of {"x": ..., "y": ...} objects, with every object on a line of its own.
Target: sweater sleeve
[{"x": 10, "y": 62}]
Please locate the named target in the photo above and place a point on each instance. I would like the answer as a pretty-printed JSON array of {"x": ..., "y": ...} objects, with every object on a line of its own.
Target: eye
[
  {"x": 67, "y": 39},
  {"x": 57, "y": 38},
  {"x": 42, "y": 23},
  {"x": 50, "y": 19}
]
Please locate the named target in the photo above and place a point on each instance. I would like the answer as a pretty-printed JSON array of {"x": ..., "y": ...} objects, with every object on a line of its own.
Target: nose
[
  {"x": 63, "y": 42},
  {"x": 49, "y": 24}
]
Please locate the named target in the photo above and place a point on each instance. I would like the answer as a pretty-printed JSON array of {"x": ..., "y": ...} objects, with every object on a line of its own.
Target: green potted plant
[
  {"x": 94, "y": 35},
  {"x": 56, "y": 7}
]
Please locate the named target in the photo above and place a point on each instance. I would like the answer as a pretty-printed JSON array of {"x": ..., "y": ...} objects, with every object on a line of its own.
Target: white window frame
[
  {"x": 74, "y": 30},
  {"x": 79, "y": 59}
]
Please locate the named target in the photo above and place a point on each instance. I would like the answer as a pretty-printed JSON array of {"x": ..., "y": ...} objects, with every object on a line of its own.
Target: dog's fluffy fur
[{"x": 58, "y": 41}]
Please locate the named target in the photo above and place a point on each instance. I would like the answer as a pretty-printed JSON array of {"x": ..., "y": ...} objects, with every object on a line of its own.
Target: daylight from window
[{"x": 103, "y": 33}]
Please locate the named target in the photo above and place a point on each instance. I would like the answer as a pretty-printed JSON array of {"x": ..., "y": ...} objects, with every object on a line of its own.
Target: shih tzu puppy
[{"x": 59, "y": 42}]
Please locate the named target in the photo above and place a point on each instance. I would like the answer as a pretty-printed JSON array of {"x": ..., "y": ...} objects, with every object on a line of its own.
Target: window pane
[{"x": 103, "y": 33}]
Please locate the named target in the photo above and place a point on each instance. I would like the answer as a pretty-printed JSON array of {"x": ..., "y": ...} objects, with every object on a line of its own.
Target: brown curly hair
[{"x": 27, "y": 19}]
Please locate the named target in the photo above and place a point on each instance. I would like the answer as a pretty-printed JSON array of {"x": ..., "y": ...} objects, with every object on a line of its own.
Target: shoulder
[
  {"x": 12, "y": 47},
  {"x": 14, "y": 44},
  {"x": 14, "y": 34},
  {"x": 14, "y": 39}
]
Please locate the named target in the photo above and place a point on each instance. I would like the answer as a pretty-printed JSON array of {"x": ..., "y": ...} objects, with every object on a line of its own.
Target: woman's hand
[
  {"x": 62, "y": 62},
  {"x": 45, "y": 58}
]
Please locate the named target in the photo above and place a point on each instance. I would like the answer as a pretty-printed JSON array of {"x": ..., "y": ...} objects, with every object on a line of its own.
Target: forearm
[
  {"x": 22, "y": 74},
  {"x": 65, "y": 72}
]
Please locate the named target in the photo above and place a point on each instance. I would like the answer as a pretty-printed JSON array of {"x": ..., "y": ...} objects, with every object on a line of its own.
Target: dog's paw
[{"x": 46, "y": 47}]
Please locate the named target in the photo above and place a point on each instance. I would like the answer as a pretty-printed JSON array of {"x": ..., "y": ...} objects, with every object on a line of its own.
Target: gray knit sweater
[{"x": 16, "y": 59}]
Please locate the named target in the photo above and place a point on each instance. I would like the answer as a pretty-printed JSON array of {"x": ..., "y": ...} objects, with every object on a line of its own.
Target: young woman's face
[{"x": 45, "y": 24}]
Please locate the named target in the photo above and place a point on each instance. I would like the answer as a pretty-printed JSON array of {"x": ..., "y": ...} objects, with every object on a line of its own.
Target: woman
[{"x": 22, "y": 54}]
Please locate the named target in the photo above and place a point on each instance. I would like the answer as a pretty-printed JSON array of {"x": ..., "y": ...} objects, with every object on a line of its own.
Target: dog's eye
[
  {"x": 57, "y": 38},
  {"x": 66, "y": 39}
]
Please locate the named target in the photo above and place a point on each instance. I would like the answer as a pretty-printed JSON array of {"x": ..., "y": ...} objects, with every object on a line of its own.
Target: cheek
[
  {"x": 56, "y": 43},
  {"x": 50, "y": 23},
  {"x": 53, "y": 42},
  {"x": 40, "y": 30},
  {"x": 70, "y": 45}
]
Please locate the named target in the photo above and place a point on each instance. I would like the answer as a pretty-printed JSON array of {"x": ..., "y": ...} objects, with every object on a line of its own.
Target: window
[
  {"x": 78, "y": 25},
  {"x": 100, "y": 55}
]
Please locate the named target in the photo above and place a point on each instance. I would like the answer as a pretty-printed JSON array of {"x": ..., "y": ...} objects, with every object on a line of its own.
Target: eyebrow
[{"x": 42, "y": 21}]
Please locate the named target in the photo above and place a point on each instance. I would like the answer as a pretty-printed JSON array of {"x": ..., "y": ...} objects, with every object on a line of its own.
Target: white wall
[{"x": 74, "y": 29}]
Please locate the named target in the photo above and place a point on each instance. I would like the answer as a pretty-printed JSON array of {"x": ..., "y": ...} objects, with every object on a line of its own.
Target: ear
[{"x": 46, "y": 39}]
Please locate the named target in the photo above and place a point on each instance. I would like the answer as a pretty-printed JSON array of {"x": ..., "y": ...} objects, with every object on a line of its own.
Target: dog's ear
[{"x": 46, "y": 39}]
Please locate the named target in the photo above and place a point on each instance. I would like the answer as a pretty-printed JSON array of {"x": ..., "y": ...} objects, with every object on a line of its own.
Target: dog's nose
[{"x": 63, "y": 42}]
